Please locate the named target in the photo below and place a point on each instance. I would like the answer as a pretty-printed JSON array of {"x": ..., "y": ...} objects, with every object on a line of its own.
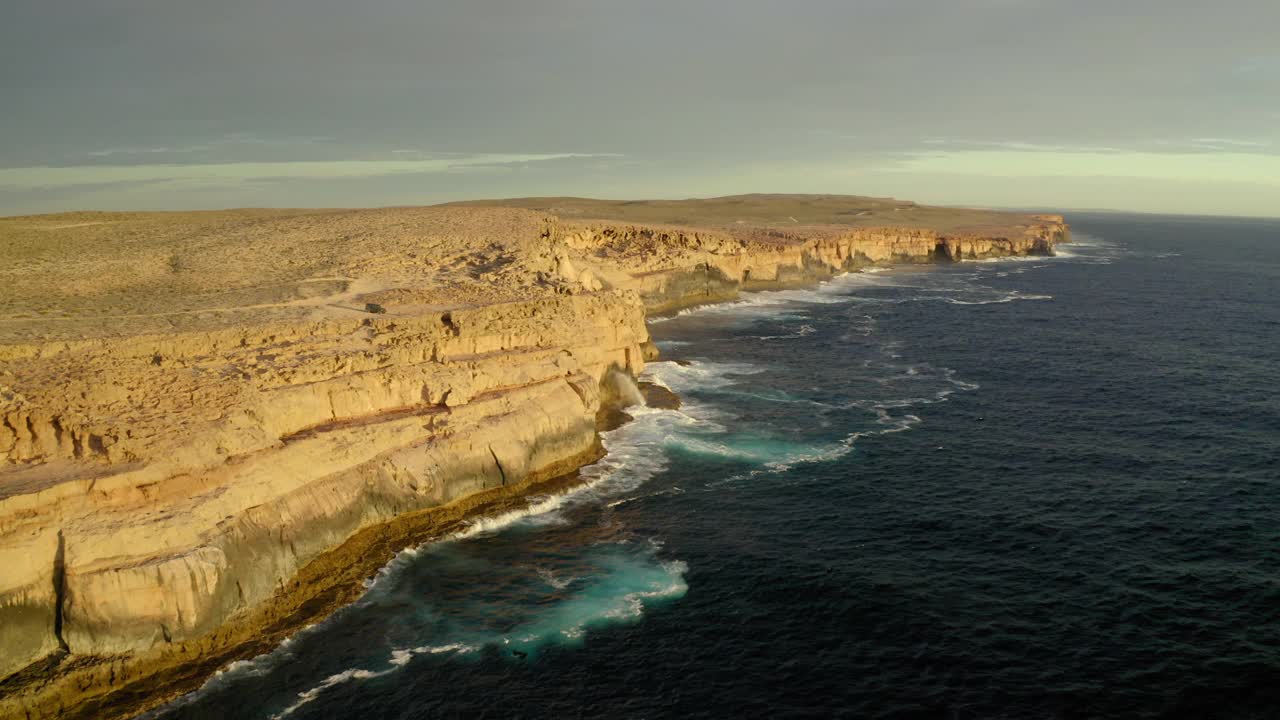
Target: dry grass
[
  {"x": 82, "y": 274},
  {"x": 784, "y": 212}
]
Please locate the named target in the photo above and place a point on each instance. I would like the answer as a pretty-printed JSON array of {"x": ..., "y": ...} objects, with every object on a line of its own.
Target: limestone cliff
[
  {"x": 674, "y": 268},
  {"x": 197, "y": 452},
  {"x": 288, "y": 442}
]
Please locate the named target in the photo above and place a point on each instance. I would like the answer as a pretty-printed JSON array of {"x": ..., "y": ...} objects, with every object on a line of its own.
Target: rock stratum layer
[{"x": 215, "y": 424}]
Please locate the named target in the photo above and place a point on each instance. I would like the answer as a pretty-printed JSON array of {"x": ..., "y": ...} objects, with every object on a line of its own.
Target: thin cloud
[
  {"x": 109, "y": 152},
  {"x": 1225, "y": 167},
  {"x": 1015, "y": 145},
  {"x": 1227, "y": 142},
  {"x": 210, "y": 145},
  {"x": 1214, "y": 144},
  {"x": 49, "y": 178}
]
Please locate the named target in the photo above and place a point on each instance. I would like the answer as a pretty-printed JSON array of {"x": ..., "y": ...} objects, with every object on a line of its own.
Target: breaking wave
[{"x": 625, "y": 585}]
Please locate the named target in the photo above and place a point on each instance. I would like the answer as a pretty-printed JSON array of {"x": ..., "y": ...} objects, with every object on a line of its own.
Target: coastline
[
  {"x": 121, "y": 686},
  {"x": 331, "y": 581}
]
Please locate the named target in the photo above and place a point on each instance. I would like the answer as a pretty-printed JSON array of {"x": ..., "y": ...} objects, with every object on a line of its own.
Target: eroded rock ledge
[{"x": 204, "y": 452}]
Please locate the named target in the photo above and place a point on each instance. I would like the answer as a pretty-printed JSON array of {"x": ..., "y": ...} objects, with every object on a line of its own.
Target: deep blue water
[{"x": 1042, "y": 488}]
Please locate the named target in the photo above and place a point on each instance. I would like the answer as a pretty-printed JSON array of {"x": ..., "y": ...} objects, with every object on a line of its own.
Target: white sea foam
[
  {"x": 402, "y": 657},
  {"x": 335, "y": 679},
  {"x": 236, "y": 671},
  {"x": 675, "y": 587},
  {"x": 773, "y": 396},
  {"x": 1012, "y": 296},
  {"x": 620, "y": 593},
  {"x": 1089, "y": 250},
  {"x": 697, "y": 374},
  {"x": 669, "y": 491},
  {"x": 1011, "y": 259},
  {"x": 549, "y": 577},
  {"x": 398, "y": 659},
  {"x": 446, "y": 648},
  {"x": 540, "y": 508},
  {"x": 800, "y": 332}
]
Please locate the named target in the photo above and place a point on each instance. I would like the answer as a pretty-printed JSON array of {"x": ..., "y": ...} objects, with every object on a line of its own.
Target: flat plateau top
[
  {"x": 110, "y": 274},
  {"x": 744, "y": 213}
]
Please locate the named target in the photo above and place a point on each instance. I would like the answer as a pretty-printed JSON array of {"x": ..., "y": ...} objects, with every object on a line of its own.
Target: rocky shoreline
[{"x": 253, "y": 474}]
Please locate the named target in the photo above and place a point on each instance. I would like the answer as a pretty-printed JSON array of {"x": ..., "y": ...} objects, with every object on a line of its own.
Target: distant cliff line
[{"x": 271, "y": 467}]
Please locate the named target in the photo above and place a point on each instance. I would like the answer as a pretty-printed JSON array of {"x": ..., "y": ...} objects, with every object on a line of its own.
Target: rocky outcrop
[{"x": 175, "y": 498}]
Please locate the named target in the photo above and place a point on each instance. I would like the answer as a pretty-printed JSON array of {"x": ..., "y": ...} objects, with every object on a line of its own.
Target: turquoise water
[{"x": 1022, "y": 488}]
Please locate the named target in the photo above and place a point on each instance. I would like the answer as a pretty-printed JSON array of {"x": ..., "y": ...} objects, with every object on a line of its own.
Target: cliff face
[
  {"x": 712, "y": 267},
  {"x": 174, "y": 480},
  {"x": 288, "y": 443}
]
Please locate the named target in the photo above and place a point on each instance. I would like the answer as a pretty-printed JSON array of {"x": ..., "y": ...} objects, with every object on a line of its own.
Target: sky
[{"x": 1145, "y": 105}]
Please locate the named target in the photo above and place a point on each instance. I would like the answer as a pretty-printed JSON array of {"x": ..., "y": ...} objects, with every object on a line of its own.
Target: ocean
[{"x": 1026, "y": 488}]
